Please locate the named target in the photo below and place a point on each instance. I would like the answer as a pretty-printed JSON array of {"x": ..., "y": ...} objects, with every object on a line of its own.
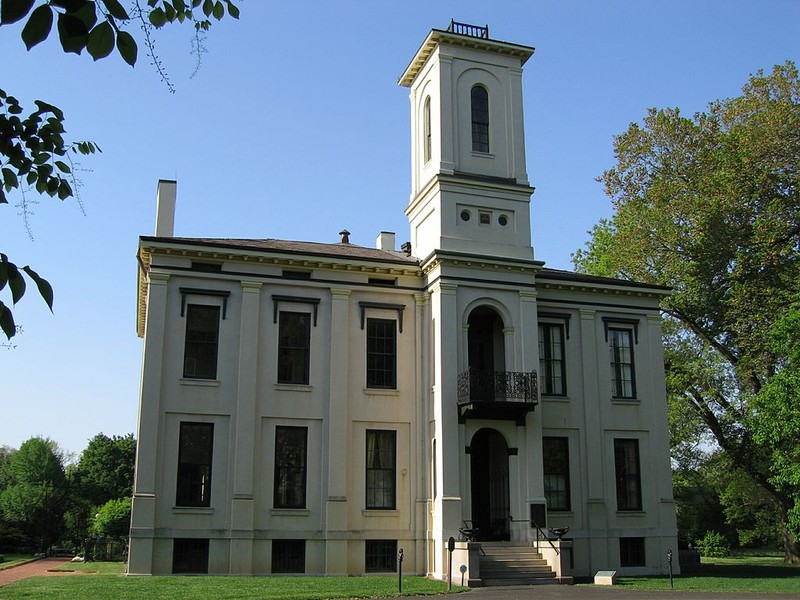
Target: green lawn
[
  {"x": 764, "y": 573},
  {"x": 14, "y": 559},
  {"x": 751, "y": 572},
  {"x": 104, "y": 580}
]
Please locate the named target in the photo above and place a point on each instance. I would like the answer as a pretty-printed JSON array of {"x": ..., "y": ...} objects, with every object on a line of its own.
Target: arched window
[
  {"x": 427, "y": 129},
  {"x": 480, "y": 119}
]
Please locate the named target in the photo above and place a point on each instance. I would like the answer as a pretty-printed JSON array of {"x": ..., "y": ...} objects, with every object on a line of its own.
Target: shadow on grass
[{"x": 744, "y": 571}]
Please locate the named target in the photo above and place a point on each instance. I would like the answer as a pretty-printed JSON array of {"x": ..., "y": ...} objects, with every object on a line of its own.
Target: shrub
[{"x": 713, "y": 545}]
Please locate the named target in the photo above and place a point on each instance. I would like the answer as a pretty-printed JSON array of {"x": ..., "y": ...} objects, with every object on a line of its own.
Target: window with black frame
[
  {"x": 294, "y": 344},
  {"x": 380, "y": 556},
  {"x": 202, "y": 342},
  {"x": 480, "y": 119},
  {"x": 381, "y": 469},
  {"x": 288, "y": 556},
  {"x": 195, "y": 450},
  {"x": 290, "y": 467},
  {"x": 628, "y": 474},
  {"x": 620, "y": 344},
  {"x": 190, "y": 555},
  {"x": 552, "y": 366},
  {"x": 382, "y": 353},
  {"x": 556, "y": 473}
]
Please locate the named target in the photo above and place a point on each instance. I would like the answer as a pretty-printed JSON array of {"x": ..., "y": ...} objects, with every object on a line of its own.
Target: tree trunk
[{"x": 791, "y": 546}]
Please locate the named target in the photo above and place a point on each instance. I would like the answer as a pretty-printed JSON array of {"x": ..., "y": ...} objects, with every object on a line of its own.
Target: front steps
[{"x": 504, "y": 564}]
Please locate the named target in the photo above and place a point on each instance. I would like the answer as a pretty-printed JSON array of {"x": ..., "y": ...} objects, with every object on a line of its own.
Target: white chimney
[
  {"x": 165, "y": 207},
  {"x": 385, "y": 241}
]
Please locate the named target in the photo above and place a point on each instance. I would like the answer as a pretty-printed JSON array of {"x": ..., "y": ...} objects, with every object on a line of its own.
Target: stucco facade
[{"x": 315, "y": 408}]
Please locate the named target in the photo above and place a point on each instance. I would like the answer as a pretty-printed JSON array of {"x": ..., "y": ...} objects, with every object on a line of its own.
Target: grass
[
  {"x": 14, "y": 559},
  {"x": 751, "y": 572},
  {"x": 105, "y": 580},
  {"x": 756, "y": 573}
]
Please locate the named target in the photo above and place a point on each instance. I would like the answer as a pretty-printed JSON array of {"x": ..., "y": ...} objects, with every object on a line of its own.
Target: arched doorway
[
  {"x": 489, "y": 475},
  {"x": 486, "y": 351}
]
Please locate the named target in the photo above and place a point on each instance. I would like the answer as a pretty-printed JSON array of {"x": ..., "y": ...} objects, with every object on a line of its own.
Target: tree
[
  {"x": 775, "y": 416},
  {"x": 103, "y": 473},
  {"x": 34, "y": 490},
  {"x": 710, "y": 206},
  {"x": 104, "y": 470},
  {"x": 35, "y": 156},
  {"x": 113, "y": 519}
]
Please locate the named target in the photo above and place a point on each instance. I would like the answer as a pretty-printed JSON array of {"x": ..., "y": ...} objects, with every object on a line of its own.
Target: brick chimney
[{"x": 165, "y": 207}]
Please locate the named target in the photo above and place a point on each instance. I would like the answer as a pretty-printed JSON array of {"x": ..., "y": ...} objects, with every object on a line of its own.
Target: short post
[
  {"x": 451, "y": 545},
  {"x": 669, "y": 562},
  {"x": 400, "y": 572}
]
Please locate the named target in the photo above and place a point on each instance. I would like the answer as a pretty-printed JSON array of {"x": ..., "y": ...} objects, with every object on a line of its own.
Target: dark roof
[
  {"x": 573, "y": 277},
  {"x": 339, "y": 250}
]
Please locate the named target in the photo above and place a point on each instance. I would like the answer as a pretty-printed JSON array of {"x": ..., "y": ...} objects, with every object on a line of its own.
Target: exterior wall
[
  {"x": 591, "y": 419},
  {"x": 246, "y": 404}
]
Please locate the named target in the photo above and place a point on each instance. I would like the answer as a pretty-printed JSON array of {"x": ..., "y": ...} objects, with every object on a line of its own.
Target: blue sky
[{"x": 294, "y": 128}]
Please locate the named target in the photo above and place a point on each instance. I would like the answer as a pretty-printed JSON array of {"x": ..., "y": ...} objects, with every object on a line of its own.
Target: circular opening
[
  {"x": 465, "y": 215},
  {"x": 503, "y": 220}
]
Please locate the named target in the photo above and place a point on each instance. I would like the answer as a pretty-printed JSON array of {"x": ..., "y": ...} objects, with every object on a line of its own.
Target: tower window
[
  {"x": 426, "y": 116},
  {"x": 480, "y": 119}
]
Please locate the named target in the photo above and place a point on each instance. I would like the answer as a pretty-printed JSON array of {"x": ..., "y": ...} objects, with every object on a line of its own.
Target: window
[
  {"x": 294, "y": 342},
  {"x": 628, "y": 475},
  {"x": 202, "y": 340},
  {"x": 288, "y": 556},
  {"x": 380, "y": 556},
  {"x": 381, "y": 353},
  {"x": 556, "y": 473},
  {"x": 480, "y": 119},
  {"x": 623, "y": 384},
  {"x": 552, "y": 367},
  {"x": 381, "y": 467},
  {"x": 290, "y": 467},
  {"x": 426, "y": 116},
  {"x": 631, "y": 552},
  {"x": 194, "y": 464},
  {"x": 190, "y": 555}
]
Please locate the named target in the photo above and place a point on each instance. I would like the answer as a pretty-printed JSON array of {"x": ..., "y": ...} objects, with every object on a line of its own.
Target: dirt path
[{"x": 36, "y": 568}]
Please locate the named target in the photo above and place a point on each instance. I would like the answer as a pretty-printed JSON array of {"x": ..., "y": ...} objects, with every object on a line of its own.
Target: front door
[{"x": 489, "y": 473}]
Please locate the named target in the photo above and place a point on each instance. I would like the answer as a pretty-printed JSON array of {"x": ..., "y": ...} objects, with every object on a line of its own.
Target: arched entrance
[
  {"x": 486, "y": 351},
  {"x": 489, "y": 475}
]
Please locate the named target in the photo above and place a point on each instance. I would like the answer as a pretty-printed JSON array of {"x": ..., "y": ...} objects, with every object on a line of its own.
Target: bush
[{"x": 713, "y": 545}]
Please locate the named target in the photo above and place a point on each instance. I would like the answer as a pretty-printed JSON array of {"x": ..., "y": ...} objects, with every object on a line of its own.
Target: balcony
[{"x": 497, "y": 395}]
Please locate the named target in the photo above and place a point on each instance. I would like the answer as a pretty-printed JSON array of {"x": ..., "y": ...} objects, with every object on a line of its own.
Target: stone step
[{"x": 503, "y": 564}]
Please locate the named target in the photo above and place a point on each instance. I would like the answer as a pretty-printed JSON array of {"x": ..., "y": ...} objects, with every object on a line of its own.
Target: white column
[
  {"x": 338, "y": 433},
  {"x": 450, "y": 453},
  {"x": 244, "y": 431},
  {"x": 143, "y": 509}
]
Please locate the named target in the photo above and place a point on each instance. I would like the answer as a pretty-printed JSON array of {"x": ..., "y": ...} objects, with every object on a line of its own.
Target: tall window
[
  {"x": 552, "y": 367},
  {"x": 380, "y": 556},
  {"x": 195, "y": 448},
  {"x": 480, "y": 119},
  {"x": 426, "y": 117},
  {"x": 381, "y": 353},
  {"x": 381, "y": 469},
  {"x": 290, "y": 467},
  {"x": 623, "y": 383},
  {"x": 190, "y": 555},
  {"x": 556, "y": 473},
  {"x": 628, "y": 475},
  {"x": 294, "y": 341},
  {"x": 202, "y": 340}
]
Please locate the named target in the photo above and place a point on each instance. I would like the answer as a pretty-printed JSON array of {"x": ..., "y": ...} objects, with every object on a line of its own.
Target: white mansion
[{"x": 317, "y": 408}]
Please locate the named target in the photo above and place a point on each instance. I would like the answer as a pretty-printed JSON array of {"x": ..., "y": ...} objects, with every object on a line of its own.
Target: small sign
[{"x": 605, "y": 578}]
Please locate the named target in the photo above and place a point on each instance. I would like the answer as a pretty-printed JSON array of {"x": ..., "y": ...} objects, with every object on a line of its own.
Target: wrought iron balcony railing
[{"x": 497, "y": 386}]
